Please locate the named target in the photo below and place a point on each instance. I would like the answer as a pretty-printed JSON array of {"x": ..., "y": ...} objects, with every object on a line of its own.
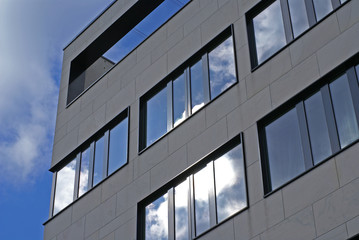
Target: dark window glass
[
  {"x": 156, "y": 121},
  {"x": 222, "y": 73},
  {"x": 202, "y": 185},
  {"x": 269, "y": 31},
  {"x": 118, "y": 146},
  {"x": 65, "y": 182},
  {"x": 84, "y": 172},
  {"x": 318, "y": 128},
  {"x": 197, "y": 90},
  {"x": 344, "y": 111},
  {"x": 98, "y": 162},
  {"x": 298, "y": 16},
  {"x": 157, "y": 219},
  {"x": 181, "y": 211},
  {"x": 322, "y": 8},
  {"x": 230, "y": 183},
  {"x": 285, "y": 153},
  {"x": 179, "y": 100},
  {"x": 357, "y": 72}
]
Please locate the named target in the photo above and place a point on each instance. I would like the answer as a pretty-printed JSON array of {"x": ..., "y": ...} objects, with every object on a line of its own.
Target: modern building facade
[{"x": 209, "y": 119}]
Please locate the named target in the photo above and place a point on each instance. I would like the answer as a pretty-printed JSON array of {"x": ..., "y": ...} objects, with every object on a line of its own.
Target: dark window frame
[
  {"x": 322, "y": 85},
  {"x": 188, "y": 175},
  {"x": 76, "y": 155},
  {"x": 262, "y": 5},
  {"x": 184, "y": 68}
]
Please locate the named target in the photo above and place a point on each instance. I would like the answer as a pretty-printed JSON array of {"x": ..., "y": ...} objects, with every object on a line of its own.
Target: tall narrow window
[
  {"x": 322, "y": 8},
  {"x": 222, "y": 69},
  {"x": 84, "y": 171},
  {"x": 197, "y": 90},
  {"x": 182, "y": 211},
  {"x": 344, "y": 111},
  {"x": 64, "y": 190},
  {"x": 298, "y": 16},
  {"x": 98, "y": 162},
  {"x": 179, "y": 100},
  {"x": 117, "y": 156},
  {"x": 157, "y": 219},
  {"x": 269, "y": 31}
]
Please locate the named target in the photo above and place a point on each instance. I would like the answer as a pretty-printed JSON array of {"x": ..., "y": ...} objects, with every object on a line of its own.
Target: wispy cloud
[{"x": 33, "y": 34}]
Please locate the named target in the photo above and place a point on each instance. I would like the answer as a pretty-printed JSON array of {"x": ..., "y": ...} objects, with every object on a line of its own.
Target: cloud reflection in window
[
  {"x": 84, "y": 171},
  {"x": 157, "y": 219},
  {"x": 181, "y": 211}
]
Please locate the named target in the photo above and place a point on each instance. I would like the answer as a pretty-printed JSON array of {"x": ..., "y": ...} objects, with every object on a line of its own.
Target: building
[{"x": 210, "y": 119}]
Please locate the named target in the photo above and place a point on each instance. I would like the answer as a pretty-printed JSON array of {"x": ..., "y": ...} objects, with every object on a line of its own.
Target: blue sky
[{"x": 33, "y": 34}]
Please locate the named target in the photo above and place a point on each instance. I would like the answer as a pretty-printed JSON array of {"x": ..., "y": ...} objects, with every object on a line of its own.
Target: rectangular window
[
  {"x": 199, "y": 80},
  {"x": 295, "y": 139},
  {"x": 100, "y": 156},
  {"x": 273, "y": 24},
  {"x": 122, "y": 37},
  {"x": 200, "y": 198}
]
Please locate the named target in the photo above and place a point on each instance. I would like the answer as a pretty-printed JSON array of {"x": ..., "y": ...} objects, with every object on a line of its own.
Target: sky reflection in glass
[
  {"x": 322, "y": 8},
  {"x": 98, "y": 161},
  {"x": 197, "y": 90},
  {"x": 269, "y": 31},
  {"x": 157, "y": 219},
  {"x": 285, "y": 154},
  {"x": 117, "y": 156},
  {"x": 179, "y": 103},
  {"x": 230, "y": 183},
  {"x": 181, "y": 211},
  {"x": 318, "y": 128},
  {"x": 201, "y": 190},
  {"x": 222, "y": 73},
  {"x": 84, "y": 172},
  {"x": 156, "y": 120},
  {"x": 298, "y": 14},
  {"x": 357, "y": 72},
  {"x": 344, "y": 111},
  {"x": 65, "y": 182}
]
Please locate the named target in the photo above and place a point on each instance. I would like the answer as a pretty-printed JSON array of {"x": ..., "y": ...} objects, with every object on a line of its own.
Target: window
[
  {"x": 97, "y": 158},
  {"x": 273, "y": 24},
  {"x": 205, "y": 195},
  {"x": 299, "y": 136},
  {"x": 123, "y": 36},
  {"x": 201, "y": 79}
]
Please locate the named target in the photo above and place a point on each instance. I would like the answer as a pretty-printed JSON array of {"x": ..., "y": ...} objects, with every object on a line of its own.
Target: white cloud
[{"x": 33, "y": 34}]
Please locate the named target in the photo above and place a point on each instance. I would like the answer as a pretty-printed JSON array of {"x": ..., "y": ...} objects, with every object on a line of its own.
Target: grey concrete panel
[
  {"x": 87, "y": 202},
  {"x": 348, "y": 164},
  {"x": 64, "y": 146},
  {"x": 268, "y": 72},
  {"x": 337, "y": 208},
  {"x": 58, "y": 224},
  {"x": 111, "y": 236},
  {"x": 80, "y": 117},
  {"x": 294, "y": 81},
  {"x": 92, "y": 124},
  {"x": 309, "y": 188},
  {"x": 206, "y": 142},
  {"x": 168, "y": 168},
  {"x": 75, "y": 231},
  {"x": 223, "y": 231},
  {"x": 254, "y": 182},
  {"x": 315, "y": 39},
  {"x": 127, "y": 231},
  {"x": 259, "y": 217},
  {"x": 245, "y": 5},
  {"x": 125, "y": 65},
  {"x": 338, "y": 50},
  {"x": 94, "y": 236},
  {"x": 137, "y": 69},
  {"x": 339, "y": 233},
  {"x": 353, "y": 226},
  {"x": 240, "y": 33},
  {"x": 300, "y": 226},
  {"x": 243, "y": 62},
  {"x": 348, "y": 15},
  {"x": 156, "y": 39},
  {"x": 133, "y": 147},
  {"x": 251, "y": 144},
  {"x": 60, "y": 133}
]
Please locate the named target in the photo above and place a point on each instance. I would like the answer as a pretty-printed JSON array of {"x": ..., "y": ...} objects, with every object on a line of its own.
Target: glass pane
[
  {"x": 343, "y": 1},
  {"x": 197, "y": 91},
  {"x": 65, "y": 182},
  {"x": 156, "y": 121},
  {"x": 222, "y": 73},
  {"x": 179, "y": 100},
  {"x": 269, "y": 31},
  {"x": 357, "y": 71},
  {"x": 322, "y": 8},
  {"x": 84, "y": 172},
  {"x": 285, "y": 154},
  {"x": 318, "y": 128},
  {"x": 344, "y": 111},
  {"x": 157, "y": 219},
  {"x": 117, "y": 156},
  {"x": 181, "y": 211},
  {"x": 298, "y": 14},
  {"x": 98, "y": 162},
  {"x": 201, "y": 193},
  {"x": 230, "y": 183}
]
